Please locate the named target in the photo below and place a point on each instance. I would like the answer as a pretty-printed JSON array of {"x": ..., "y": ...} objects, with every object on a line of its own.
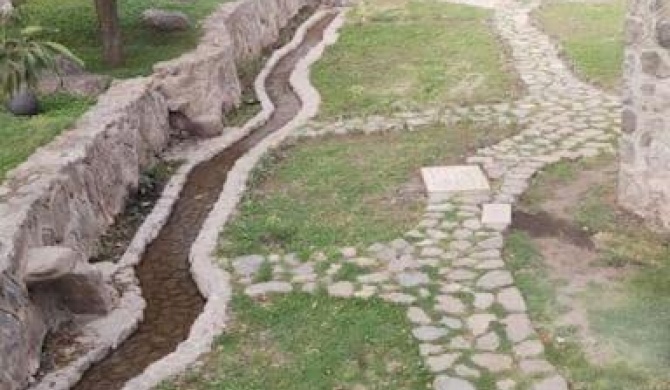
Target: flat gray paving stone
[
  {"x": 443, "y": 382},
  {"x": 556, "y": 382},
  {"x": 429, "y": 333}
]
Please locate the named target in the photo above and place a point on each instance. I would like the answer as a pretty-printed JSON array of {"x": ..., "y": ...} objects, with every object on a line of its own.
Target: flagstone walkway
[{"x": 469, "y": 318}]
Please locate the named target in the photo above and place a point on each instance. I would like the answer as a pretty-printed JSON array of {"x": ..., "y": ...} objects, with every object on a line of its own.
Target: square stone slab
[
  {"x": 497, "y": 215},
  {"x": 442, "y": 182}
]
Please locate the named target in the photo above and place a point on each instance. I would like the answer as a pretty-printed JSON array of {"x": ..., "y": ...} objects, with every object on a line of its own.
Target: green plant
[{"x": 23, "y": 55}]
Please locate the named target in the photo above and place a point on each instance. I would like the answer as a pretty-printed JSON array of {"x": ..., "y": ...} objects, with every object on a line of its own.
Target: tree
[{"x": 110, "y": 32}]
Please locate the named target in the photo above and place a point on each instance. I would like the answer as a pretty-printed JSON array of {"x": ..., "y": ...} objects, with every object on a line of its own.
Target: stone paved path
[{"x": 469, "y": 319}]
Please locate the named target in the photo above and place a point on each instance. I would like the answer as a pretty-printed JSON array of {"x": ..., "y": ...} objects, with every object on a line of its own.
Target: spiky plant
[{"x": 24, "y": 56}]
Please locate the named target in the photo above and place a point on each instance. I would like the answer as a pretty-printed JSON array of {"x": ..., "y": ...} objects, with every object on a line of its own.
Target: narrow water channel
[{"x": 173, "y": 299}]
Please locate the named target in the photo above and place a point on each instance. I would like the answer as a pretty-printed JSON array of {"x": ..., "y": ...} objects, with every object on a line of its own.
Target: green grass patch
[
  {"x": 22, "y": 135},
  {"x": 76, "y": 23},
  {"x": 409, "y": 53},
  {"x": 635, "y": 319},
  {"x": 342, "y": 191},
  {"x": 591, "y": 35},
  {"x": 302, "y": 342}
]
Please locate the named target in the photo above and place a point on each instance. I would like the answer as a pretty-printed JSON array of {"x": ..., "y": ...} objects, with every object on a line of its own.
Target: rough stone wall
[
  {"x": 69, "y": 191},
  {"x": 644, "y": 178}
]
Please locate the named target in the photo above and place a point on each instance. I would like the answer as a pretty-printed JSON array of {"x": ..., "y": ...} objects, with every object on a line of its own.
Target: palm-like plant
[{"x": 24, "y": 56}]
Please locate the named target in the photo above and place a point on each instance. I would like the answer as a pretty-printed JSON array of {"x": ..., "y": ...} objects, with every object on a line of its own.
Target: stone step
[{"x": 443, "y": 182}]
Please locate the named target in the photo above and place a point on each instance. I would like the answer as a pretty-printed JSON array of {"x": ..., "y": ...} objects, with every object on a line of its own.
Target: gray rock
[
  {"x": 518, "y": 327},
  {"x": 418, "y": 316},
  {"x": 528, "y": 348},
  {"x": 430, "y": 349},
  {"x": 412, "y": 279},
  {"x": 341, "y": 289},
  {"x": 441, "y": 362},
  {"x": 163, "y": 20},
  {"x": 495, "y": 279},
  {"x": 554, "y": 383},
  {"x": 494, "y": 362},
  {"x": 512, "y": 300},
  {"x": 488, "y": 342},
  {"x": 248, "y": 265},
  {"x": 49, "y": 263},
  {"x": 268, "y": 288},
  {"x": 443, "y": 382},
  {"x": 535, "y": 366},
  {"x": 429, "y": 333}
]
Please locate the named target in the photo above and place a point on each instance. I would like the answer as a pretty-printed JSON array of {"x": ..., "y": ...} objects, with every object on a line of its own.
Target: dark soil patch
[{"x": 542, "y": 224}]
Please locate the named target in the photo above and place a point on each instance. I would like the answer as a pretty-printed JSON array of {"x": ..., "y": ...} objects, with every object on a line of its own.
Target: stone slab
[
  {"x": 497, "y": 215},
  {"x": 445, "y": 181}
]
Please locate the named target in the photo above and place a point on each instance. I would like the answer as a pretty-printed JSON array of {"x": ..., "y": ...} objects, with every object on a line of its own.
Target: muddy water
[{"x": 173, "y": 300}]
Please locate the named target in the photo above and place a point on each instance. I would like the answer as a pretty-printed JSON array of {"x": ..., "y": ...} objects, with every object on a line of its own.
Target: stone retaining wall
[
  {"x": 644, "y": 178},
  {"x": 69, "y": 191}
]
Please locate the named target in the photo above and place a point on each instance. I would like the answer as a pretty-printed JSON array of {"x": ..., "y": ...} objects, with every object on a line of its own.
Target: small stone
[
  {"x": 267, "y": 288},
  {"x": 463, "y": 370},
  {"x": 512, "y": 300},
  {"x": 472, "y": 224},
  {"x": 248, "y": 265},
  {"x": 341, "y": 289},
  {"x": 430, "y": 349},
  {"x": 505, "y": 384},
  {"x": 418, "y": 316},
  {"x": 497, "y": 215},
  {"x": 479, "y": 323},
  {"x": 554, "y": 383},
  {"x": 453, "y": 323},
  {"x": 364, "y": 261},
  {"x": 443, "y": 382},
  {"x": 488, "y": 342},
  {"x": 529, "y": 348},
  {"x": 491, "y": 264},
  {"x": 460, "y": 245},
  {"x": 494, "y": 362},
  {"x": 441, "y": 362},
  {"x": 459, "y": 342},
  {"x": 535, "y": 366},
  {"x": 461, "y": 274},
  {"x": 377, "y": 277},
  {"x": 449, "y": 305},
  {"x": 518, "y": 327},
  {"x": 399, "y": 298},
  {"x": 491, "y": 243},
  {"x": 365, "y": 292},
  {"x": 431, "y": 251},
  {"x": 495, "y": 279},
  {"x": 483, "y": 300},
  {"x": 412, "y": 279},
  {"x": 489, "y": 254},
  {"x": 429, "y": 333},
  {"x": 348, "y": 252}
]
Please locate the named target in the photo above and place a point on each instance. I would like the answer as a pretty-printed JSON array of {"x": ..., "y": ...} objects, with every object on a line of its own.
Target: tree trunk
[{"x": 110, "y": 31}]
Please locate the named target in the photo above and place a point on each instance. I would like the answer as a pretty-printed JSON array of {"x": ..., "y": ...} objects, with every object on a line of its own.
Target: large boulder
[{"x": 167, "y": 21}]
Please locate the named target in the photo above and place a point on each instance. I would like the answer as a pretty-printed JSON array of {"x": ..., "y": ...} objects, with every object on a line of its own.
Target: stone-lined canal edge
[{"x": 108, "y": 332}]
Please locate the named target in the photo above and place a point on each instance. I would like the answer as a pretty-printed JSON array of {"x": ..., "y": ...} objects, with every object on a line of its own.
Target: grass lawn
[
  {"x": 591, "y": 35},
  {"x": 343, "y": 190},
  {"x": 406, "y": 54},
  {"x": 302, "y": 342},
  {"x": 21, "y": 136},
  {"x": 629, "y": 317},
  {"x": 77, "y": 28}
]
